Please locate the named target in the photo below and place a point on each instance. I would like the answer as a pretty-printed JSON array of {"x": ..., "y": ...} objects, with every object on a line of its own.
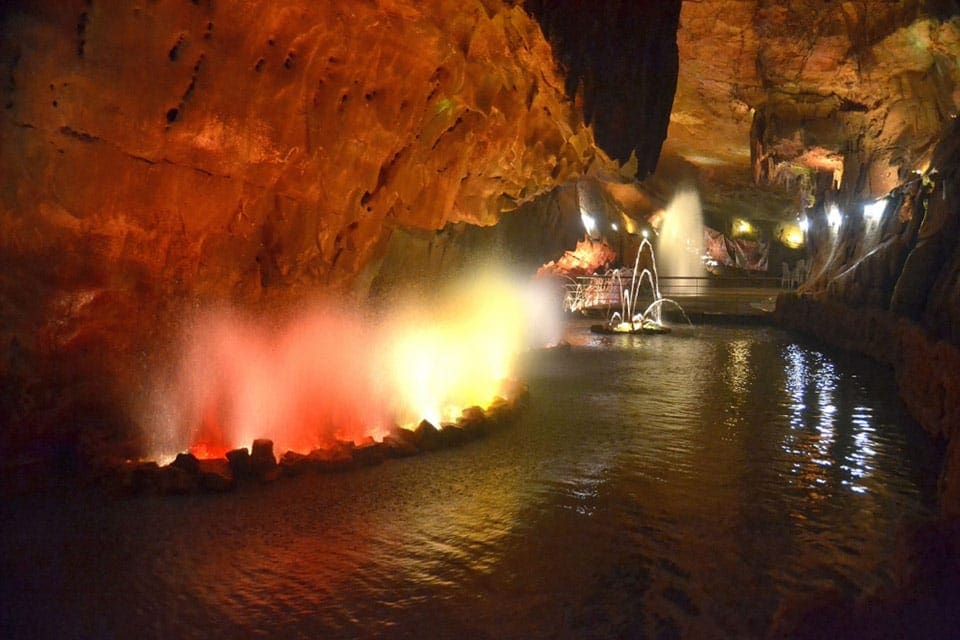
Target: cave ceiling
[{"x": 777, "y": 101}]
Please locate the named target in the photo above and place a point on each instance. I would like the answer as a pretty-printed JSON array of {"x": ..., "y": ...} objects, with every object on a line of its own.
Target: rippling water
[{"x": 665, "y": 486}]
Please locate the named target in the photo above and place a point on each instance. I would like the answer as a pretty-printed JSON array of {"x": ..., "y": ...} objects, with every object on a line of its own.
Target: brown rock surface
[
  {"x": 160, "y": 156},
  {"x": 777, "y": 95}
]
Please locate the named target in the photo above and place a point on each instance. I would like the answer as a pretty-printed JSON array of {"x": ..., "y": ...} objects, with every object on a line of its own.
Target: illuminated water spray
[
  {"x": 680, "y": 243},
  {"x": 629, "y": 319},
  {"x": 328, "y": 375}
]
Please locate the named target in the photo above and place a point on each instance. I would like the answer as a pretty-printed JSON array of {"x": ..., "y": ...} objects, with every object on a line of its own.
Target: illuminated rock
[
  {"x": 169, "y": 155},
  {"x": 339, "y": 457},
  {"x": 397, "y": 447},
  {"x": 472, "y": 421}
]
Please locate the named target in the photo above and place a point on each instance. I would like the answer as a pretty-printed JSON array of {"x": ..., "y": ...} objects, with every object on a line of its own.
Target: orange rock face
[
  {"x": 164, "y": 155},
  {"x": 778, "y": 103}
]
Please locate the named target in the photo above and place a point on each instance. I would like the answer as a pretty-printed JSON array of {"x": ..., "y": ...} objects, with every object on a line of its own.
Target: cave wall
[
  {"x": 160, "y": 157},
  {"x": 893, "y": 292}
]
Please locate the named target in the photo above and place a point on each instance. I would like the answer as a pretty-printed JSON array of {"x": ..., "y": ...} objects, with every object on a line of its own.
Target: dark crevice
[
  {"x": 81, "y": 32},
  {"x": 448, "y": 130},
  {"x": 175, "y": 50},
  {"x": 82, "y": 136},
  {"x": 622, "y": 56}
]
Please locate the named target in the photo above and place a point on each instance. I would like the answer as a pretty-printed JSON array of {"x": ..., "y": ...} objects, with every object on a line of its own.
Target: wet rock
[
  {"x": 293, "y": 463},
  {"x": 395, "y": 446},
  {"x": 188, "y": 462},
  {"x": 369, "y": 454},
  {"x": 175, "y": 480},
  {"x": 427, "y": 436},
  {"x": 262, "y": 461},
  {"x": 240, "y": 463},
  {"x": 216, "y": 475},
  {"x": 339, "y": 457},
  {"x": 405, "y": 435},
  {"x": 139, "y": 477},
  {"x": 499, "y": 412},
  {"x": 451, "y": 435},
  {"x": 473, "y": 422}
]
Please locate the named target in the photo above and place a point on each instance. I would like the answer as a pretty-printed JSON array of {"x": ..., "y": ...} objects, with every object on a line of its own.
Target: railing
[{"x": 601, "y": 292}]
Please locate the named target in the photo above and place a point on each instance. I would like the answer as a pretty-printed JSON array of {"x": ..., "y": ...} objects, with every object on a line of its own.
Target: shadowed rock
[
  {"x": 240, "y": 462},
  {"x": 216, "y": 475},
  {"x": 369, "y": 454},
  {"x": 426, "y": 436},
  {"x": 451, "y": 435},
  {"x": 139, "y": 477},
  {"x": 293, "y": 463},
  {"x": 188, "y": 462},
  {"x": 175, "y": 480},
  {"x": 262, "y": 461}
]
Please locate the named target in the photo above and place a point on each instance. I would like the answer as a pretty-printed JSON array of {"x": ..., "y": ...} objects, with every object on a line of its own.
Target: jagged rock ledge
[
  {"x": 187, "y": 474},
  {"x": 925, "y": 368}
]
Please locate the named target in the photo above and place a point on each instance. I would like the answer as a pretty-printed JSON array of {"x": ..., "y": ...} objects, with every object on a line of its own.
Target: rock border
[{"x": 188, "y": 474}]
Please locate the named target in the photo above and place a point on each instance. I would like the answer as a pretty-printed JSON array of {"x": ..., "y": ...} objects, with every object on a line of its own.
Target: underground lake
[{"x": 695, "y": 484}]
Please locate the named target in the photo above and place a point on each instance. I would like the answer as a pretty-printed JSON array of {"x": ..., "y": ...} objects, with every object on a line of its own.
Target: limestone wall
[
  {"x": 158, "y": 157},
  {"x": 895, "y": 296}
]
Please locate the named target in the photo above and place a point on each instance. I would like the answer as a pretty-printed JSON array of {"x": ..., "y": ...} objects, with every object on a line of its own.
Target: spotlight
[
  {"x": 834, "y": 217},
  {"x": 804, "y": 224},
  {"x": 873, "y": 211},
  {"x": 588, "y": 222},
  {"x": 645, "y": 233},
  {"x": 613, "y": 225}
]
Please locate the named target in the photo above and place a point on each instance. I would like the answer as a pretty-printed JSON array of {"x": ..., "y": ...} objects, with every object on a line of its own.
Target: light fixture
[
  {"x": 834, "y": 217},
  {"x": 873, "y": 211},
  {"x": 588, "y": 222},
  {"x": 645, "y": 233},
  {"x": 742, "y": 227},
  {"x": 804, "y": 224},
  {"x": 613, "y": 225}
]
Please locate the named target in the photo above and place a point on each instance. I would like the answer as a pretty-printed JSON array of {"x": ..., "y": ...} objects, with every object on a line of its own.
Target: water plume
[
  {"x": 328, "y": 375},
  {"x": 680, "y": 244}
]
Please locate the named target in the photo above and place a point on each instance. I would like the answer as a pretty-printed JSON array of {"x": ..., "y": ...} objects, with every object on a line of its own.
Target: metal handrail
[{"x": 600, "y": 290}]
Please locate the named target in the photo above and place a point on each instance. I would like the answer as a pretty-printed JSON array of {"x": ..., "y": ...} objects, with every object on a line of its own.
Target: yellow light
[
  {"x": 459, "y": 355},
  {"x": 790, "y": 234},
  {"x": 742, "y": 227}
]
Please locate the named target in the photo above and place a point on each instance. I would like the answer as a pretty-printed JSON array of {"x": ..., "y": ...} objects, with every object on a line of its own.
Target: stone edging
[{"x": 187, "y": 475}]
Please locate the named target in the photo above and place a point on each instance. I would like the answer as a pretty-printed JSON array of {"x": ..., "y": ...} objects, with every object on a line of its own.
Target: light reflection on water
[{"x": 670, "y": 485}]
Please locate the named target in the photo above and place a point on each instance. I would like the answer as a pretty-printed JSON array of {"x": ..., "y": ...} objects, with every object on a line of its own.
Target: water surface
[{"x": 664, "y": 486}]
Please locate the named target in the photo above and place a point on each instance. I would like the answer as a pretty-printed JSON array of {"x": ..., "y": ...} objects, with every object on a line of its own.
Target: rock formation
[{"x": 158, "y": 157}]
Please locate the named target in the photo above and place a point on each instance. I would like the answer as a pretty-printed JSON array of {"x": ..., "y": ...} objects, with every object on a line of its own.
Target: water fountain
[
  {"x": 680, "y": 241},
  {"x": 627, "y": 320}
]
